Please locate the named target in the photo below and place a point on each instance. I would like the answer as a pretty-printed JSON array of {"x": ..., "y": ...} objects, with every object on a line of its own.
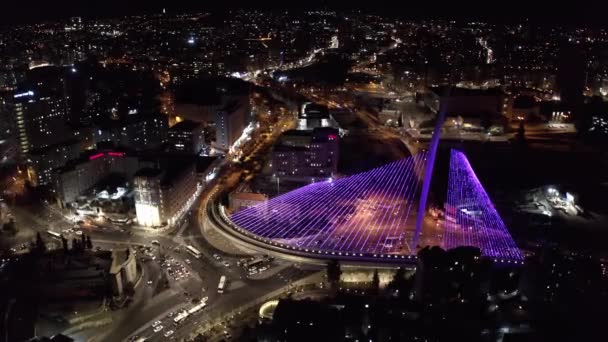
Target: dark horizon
[{"x": 36, "y": 11}]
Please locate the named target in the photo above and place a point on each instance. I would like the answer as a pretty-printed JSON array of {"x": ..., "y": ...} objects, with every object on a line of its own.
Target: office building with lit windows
[
  {"x": 230, "y": 122},
  {"x": 8, "y": 141},
  {"x": 306, "y": 156},
  {"x": 43, "y": 161},
  {"x": 138, "y": 132},
  {"x": 40, "y": 118},
  {"x": 186, "y": 137}
]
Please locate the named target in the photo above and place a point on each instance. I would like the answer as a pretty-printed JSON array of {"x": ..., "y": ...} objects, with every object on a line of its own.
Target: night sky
[{"x": 565, "y": 12}]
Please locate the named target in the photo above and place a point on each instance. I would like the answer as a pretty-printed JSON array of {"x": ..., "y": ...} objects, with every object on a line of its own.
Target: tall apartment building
[
  {"x": 43, "y": 161},
  {"x": 40, "y": 118},
  {"x": 230, "y": 122},
  {"x": 138, "y": 132}
]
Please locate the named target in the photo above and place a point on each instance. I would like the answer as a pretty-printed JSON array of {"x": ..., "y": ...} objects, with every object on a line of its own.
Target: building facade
[
  {"x": 186, "y": 137},
  {"x": 80, "y": 175},
  {"x": 244, "y": 197},
  {"x": 43, "y": 161},
  {"x": 40, "y": 119},
  {"x": 230, "y": 122},
  {"x": 123, "y": 270},
  {"x": 306, "y": 156},
  {"x": 138, "y": 132},
  {"x": 163, "y": 196}
]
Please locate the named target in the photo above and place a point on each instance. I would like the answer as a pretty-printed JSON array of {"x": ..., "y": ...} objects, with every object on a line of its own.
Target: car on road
[
  {"x": 155, "y": 242},
  {"x": 150, "y": 282},
  {"x": 169, "y": 333},
  {"x": 188, "y": 261},
  {"x": 226, "y": 263},
  {"x": 158, "y": 328},
  {"x": 157, "y": 323},
  {"x": 217, "y": 256},
  {"x": 205, "y": 299}
]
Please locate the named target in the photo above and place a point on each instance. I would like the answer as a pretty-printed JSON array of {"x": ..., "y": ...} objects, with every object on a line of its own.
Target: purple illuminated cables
[
  {"x": 357, "y": 214},
  {"x": 471, "y": 218}
]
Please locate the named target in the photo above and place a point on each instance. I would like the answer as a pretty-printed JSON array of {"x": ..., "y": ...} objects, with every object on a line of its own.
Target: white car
[
  {"x": 158, "y": 328},
  {"x": 205, "y": 299},
  {"x": 226, "y": 263},
  {"x": 157, "y": 323},
  {"x": 188, "y": 261},
  {"x": 169, "y": 333}
]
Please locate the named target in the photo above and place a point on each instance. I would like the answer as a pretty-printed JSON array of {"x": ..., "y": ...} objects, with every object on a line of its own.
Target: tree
[
  {"x": 375, "y": 283},
  {"x": 75, "y": 244},
  {"x": 333, "y": 273},
  {"x": 486, "y": 120},
  {"x": 40, "y": 245},
  {"x": 10, "y": 227},
  {"x": 521, "y": 131},
  {"x": 64, "y": 243},
  {"x": 129, "y": 289},
  {"x": 399, "y": 282}
]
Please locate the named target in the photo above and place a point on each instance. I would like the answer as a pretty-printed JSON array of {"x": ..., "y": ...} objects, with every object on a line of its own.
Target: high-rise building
[
  {"x": 40, "y": 119},
  {"x": 187, "y": 137},
  {"x": 162, "y": 196},
  {"x": 230, "y": 122},
  {"x": 43, "y": 161},
  {"x": 139, "y": 132},
  {"x": 8, "y": 139},
  {"x": 306, "y": 155}
]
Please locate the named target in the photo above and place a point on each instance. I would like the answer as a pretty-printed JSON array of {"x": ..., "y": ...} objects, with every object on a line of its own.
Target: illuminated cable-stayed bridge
[
  {"x": 363, "y": 213},
  {"x": 471, "y": 219},
  {"x": 373, "y": 214}
]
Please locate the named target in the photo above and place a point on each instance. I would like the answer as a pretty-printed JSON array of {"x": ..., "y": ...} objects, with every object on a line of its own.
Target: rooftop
[
  {"x": 456, "y": 91},
  {"x": 186, "y": 125}
]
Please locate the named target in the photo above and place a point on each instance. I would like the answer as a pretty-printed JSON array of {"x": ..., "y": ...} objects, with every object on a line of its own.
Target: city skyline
[{"x": 314, "y": 171}]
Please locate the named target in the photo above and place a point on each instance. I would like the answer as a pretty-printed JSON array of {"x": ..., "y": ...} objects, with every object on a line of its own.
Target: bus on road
[
  {"x": 181, "y": 317},
  {"x": 54, "y": 234},
  {"x": 194, "y": 251},
  {"x": 197, "y": 308},
  {"x": 222, "y": 285}
]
